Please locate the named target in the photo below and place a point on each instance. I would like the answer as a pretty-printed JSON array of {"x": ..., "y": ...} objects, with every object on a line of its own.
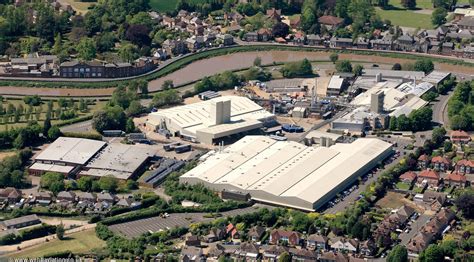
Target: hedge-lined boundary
[{"x": 186, "y": 60}]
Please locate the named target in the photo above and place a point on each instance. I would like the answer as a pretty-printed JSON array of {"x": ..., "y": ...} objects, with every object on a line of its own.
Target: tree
[
  {"x": 358, "y": 70},
  {"x": 257, "y": 61},
  {"x": 108, "y": 183},
  {"x": 280, "y": 29},
  {"x": 139, "y": 35},
  {"x": 393, "y": 124},
  {"x": 438, "y": 17},
  {"x": 60, "y": 231},
  {"x": 167, "y": 97},
  {"x": 135, "y": 108},
  {"x": 465, "y": 203},
  {"x": 52, "y": 181},
  {"x": 46, "y": 125},
  {"x": 425, "y": 65},
  {"x": 86, "y": 49},
  {"x": 130, "y": 126},
  {"x": 167, "y": 84},
  {"x": 294, "y": 69},
  {"x": 408, "y": 4},
  {"x": 54, "y": 132},
  {"x": 334, "y": 57},
  {"x": 397, "y": 67},
  {"x": 398, "y": 254},
  {"x": 284, "y": 257},
  {"x": 344, "y": 66},
  {"x": 438, "y": 135},
  {"x": 432, "y": 254},
  {"x": 430, "y": 96},
  {"x": 128, "y": 52},
  {"x": 84, "y": 183}
]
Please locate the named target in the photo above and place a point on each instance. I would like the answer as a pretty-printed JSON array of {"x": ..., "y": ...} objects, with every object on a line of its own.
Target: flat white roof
[
  {"x": 436, "y": 77},
  {"x": 318, "y": 134},
  {"x": 71, "y": 150},
  {"x": 51, "y": 168},
  {"x": 414, "y": 103},
  {"x": 336, "y": 83},
  {"x": 418, "y": 89},
  {"x": 418, "y": 75},
  {"x": 284, "y": 172}
]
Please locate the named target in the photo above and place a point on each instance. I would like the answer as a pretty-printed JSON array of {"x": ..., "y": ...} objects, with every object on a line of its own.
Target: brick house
[
  {"x": 256, "y": 233},
  {"x": 277, "y": 236},
  {"x": 464, "y": 166},
  {"x": 330, "y": 22},
  {"x": 429, "y": 177},
  {"x": 340, "y": 244},
  {"x": 336, "y": 42},
  {"x": 460, "y": 137},
  {"x": 440, "y": 163},
  {"x": 405, "y": 43},
  {"x": 232, "y": 232},
  {"x": 408, "y": 177},
  {"x": 251, "y": 37},
  {"x": 314, "y": 40},
  {"x": 382, "y": 44},
  {"x": 264, "y": 34},
  {"x": 455, "y": 179},
  {"x": 423, "y": 161},
  {"x": 317, "y": 242},
  {"x": 175, "y": 47},
  {"x": 77, "y": 69},
  {"x": 10, "y": 195},
  {"x": 66, "y": 196}
]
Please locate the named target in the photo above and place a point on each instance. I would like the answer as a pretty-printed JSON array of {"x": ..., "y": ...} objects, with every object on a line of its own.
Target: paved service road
[
  {"x": 158, "y": 223},
  {"x": 85, "y": 126},
  {"x": 415, "y": 228}
]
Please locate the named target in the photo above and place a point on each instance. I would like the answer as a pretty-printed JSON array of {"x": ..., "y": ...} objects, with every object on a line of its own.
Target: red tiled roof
[
  {"x": 456, "y": 177},
  {"x": 465, "y": 162},
  {"x": 262, "y": 31},
  {"x": 423, "y": 158},
  {"x": 440, "y": 159},
  {"x": 330, "y": 20},
  {"x": 429, "y": 174},
  {"x": 410, "y": 175},
  {"x": 459, "y": 133},
  {"x": 229, "y": 228}
]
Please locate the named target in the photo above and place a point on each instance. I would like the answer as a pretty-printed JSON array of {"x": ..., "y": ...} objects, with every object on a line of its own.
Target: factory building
[
  {"x": 285, "y": 173},
  {"x": 209, "y": 121},
  {"x": 85, "y": 157}
]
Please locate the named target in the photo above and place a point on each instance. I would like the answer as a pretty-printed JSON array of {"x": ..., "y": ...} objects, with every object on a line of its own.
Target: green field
[
  {"x": 168, "y": 5},
  {"x": 82, "y": 242},
  {"x": 406, "y": 18},
  {"x": 422, "y": 4}
]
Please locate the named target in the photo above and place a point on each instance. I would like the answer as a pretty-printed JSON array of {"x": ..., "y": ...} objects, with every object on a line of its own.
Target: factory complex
[
  {"x": 209, "y": 121},
  {"x": 285, "y": 173},
  {"x": 86, "y": 157}
]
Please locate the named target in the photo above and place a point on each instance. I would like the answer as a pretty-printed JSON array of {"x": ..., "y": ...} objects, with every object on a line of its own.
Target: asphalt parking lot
[{"x": 155, "y": 224}]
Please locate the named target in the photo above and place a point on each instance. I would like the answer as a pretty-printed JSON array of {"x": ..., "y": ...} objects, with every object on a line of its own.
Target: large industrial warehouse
[
  {"x": 210, "y": 120},
  {"x": 287, "y": 173}
]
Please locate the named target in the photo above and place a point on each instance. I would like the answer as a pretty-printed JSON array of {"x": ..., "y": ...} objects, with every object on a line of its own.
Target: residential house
[
  {"x": 440, "y": 163},
  {"x": 195, "y": 43},
  {"x": 299, "y": 39},
  {"x": 274, "y": 14},
  {"x": 408, "y": 177},
  {"x": 216, "y": 252},
  {"x": 234, "y": 17},
  {"x": 226, "y": 39},
  {"x": 106, "y": 197},
  {"x": 419, "y": 242},
  {"x": 467, "y": 23},
  {"x": 264, "y": 35},
  {"x": 192, "y": 240},
  {"x": 86, "y": 197},
  {"x": 209, "y": 39},
  {"x": 247, "y": 252},
  {"x": 428, "y": 177},
  {"x": 317, "y": 242},
  {"x": 460, "y": 137},
  {"x": 336, "y": 42},
  {"x": 44, "y": 198},
  {"x": 332, "y": 257},
  {"x": 175, "y": 47},
  {"x": 251, "y": 37},
  {"x": 303, "y": 255},
  {"x": 66, "y": 196},
  {"x": 156, "y": 17},
  {"x": 405, "y": 43},
  {"x": 191, "y": 254},
  {"x": 447, "y": 48},
  {"x": 368, "y": 248},
  {"x": 435, "y": 200},
  {"x": 10, "y": 195},
  {"x": 295, "y": 23},
  {"x": 169, "y": 21},
  {"x": 272, "y": 253},
  {"x": 278, "y": 236},
  {"x": 161, "y": 54},
  {"x": 314, "y": 40},
  {"x": 421, "y": 45},
  {"x": 256, "y": 233},
  {"x": 340, "y": 244},
  {"x": 215, "y": 234},
  {"x": 382, "y": 44},
  {"x": 423, "y": 161},
  {"x": 455, "y": 179},
  {"x": 362, "y": 43},
  {"x": 330, "y": 22},
  {"x": 77, "y": 69},
  {"x": 465, "y": 166},
  {"x": 20, "y": 222},
  {"x": 232, "y": 232}
]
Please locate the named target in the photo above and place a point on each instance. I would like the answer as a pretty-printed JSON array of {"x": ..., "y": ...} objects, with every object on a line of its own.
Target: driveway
[{"x": 415, "y": 228}]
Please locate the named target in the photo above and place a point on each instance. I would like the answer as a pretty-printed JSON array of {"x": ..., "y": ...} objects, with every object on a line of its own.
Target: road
[
  {"x": 440, "y": 112},
  {"x": 415, "y": 228},
  {"x": 352, "y": 197},
  {"x": 85, "y": 126}
]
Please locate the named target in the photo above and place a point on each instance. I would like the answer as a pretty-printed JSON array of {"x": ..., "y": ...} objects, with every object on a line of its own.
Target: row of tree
[
  {"x": 417, "y": 120},
  {"x": 461, "y": 107}
]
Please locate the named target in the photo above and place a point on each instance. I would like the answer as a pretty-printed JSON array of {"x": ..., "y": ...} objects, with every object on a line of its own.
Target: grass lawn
[
  {"x": 16, "y": 102},
  {"x": 391, "y": 200},
  {"x": 406, "y": 18},
  {"x": 81, "y": 242},
  {"x": 422, "y": 4},
  {"x": 403, "y": 186},
  {"x": 167, "y": 5},
  {"x": 81, "y": 7}
]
